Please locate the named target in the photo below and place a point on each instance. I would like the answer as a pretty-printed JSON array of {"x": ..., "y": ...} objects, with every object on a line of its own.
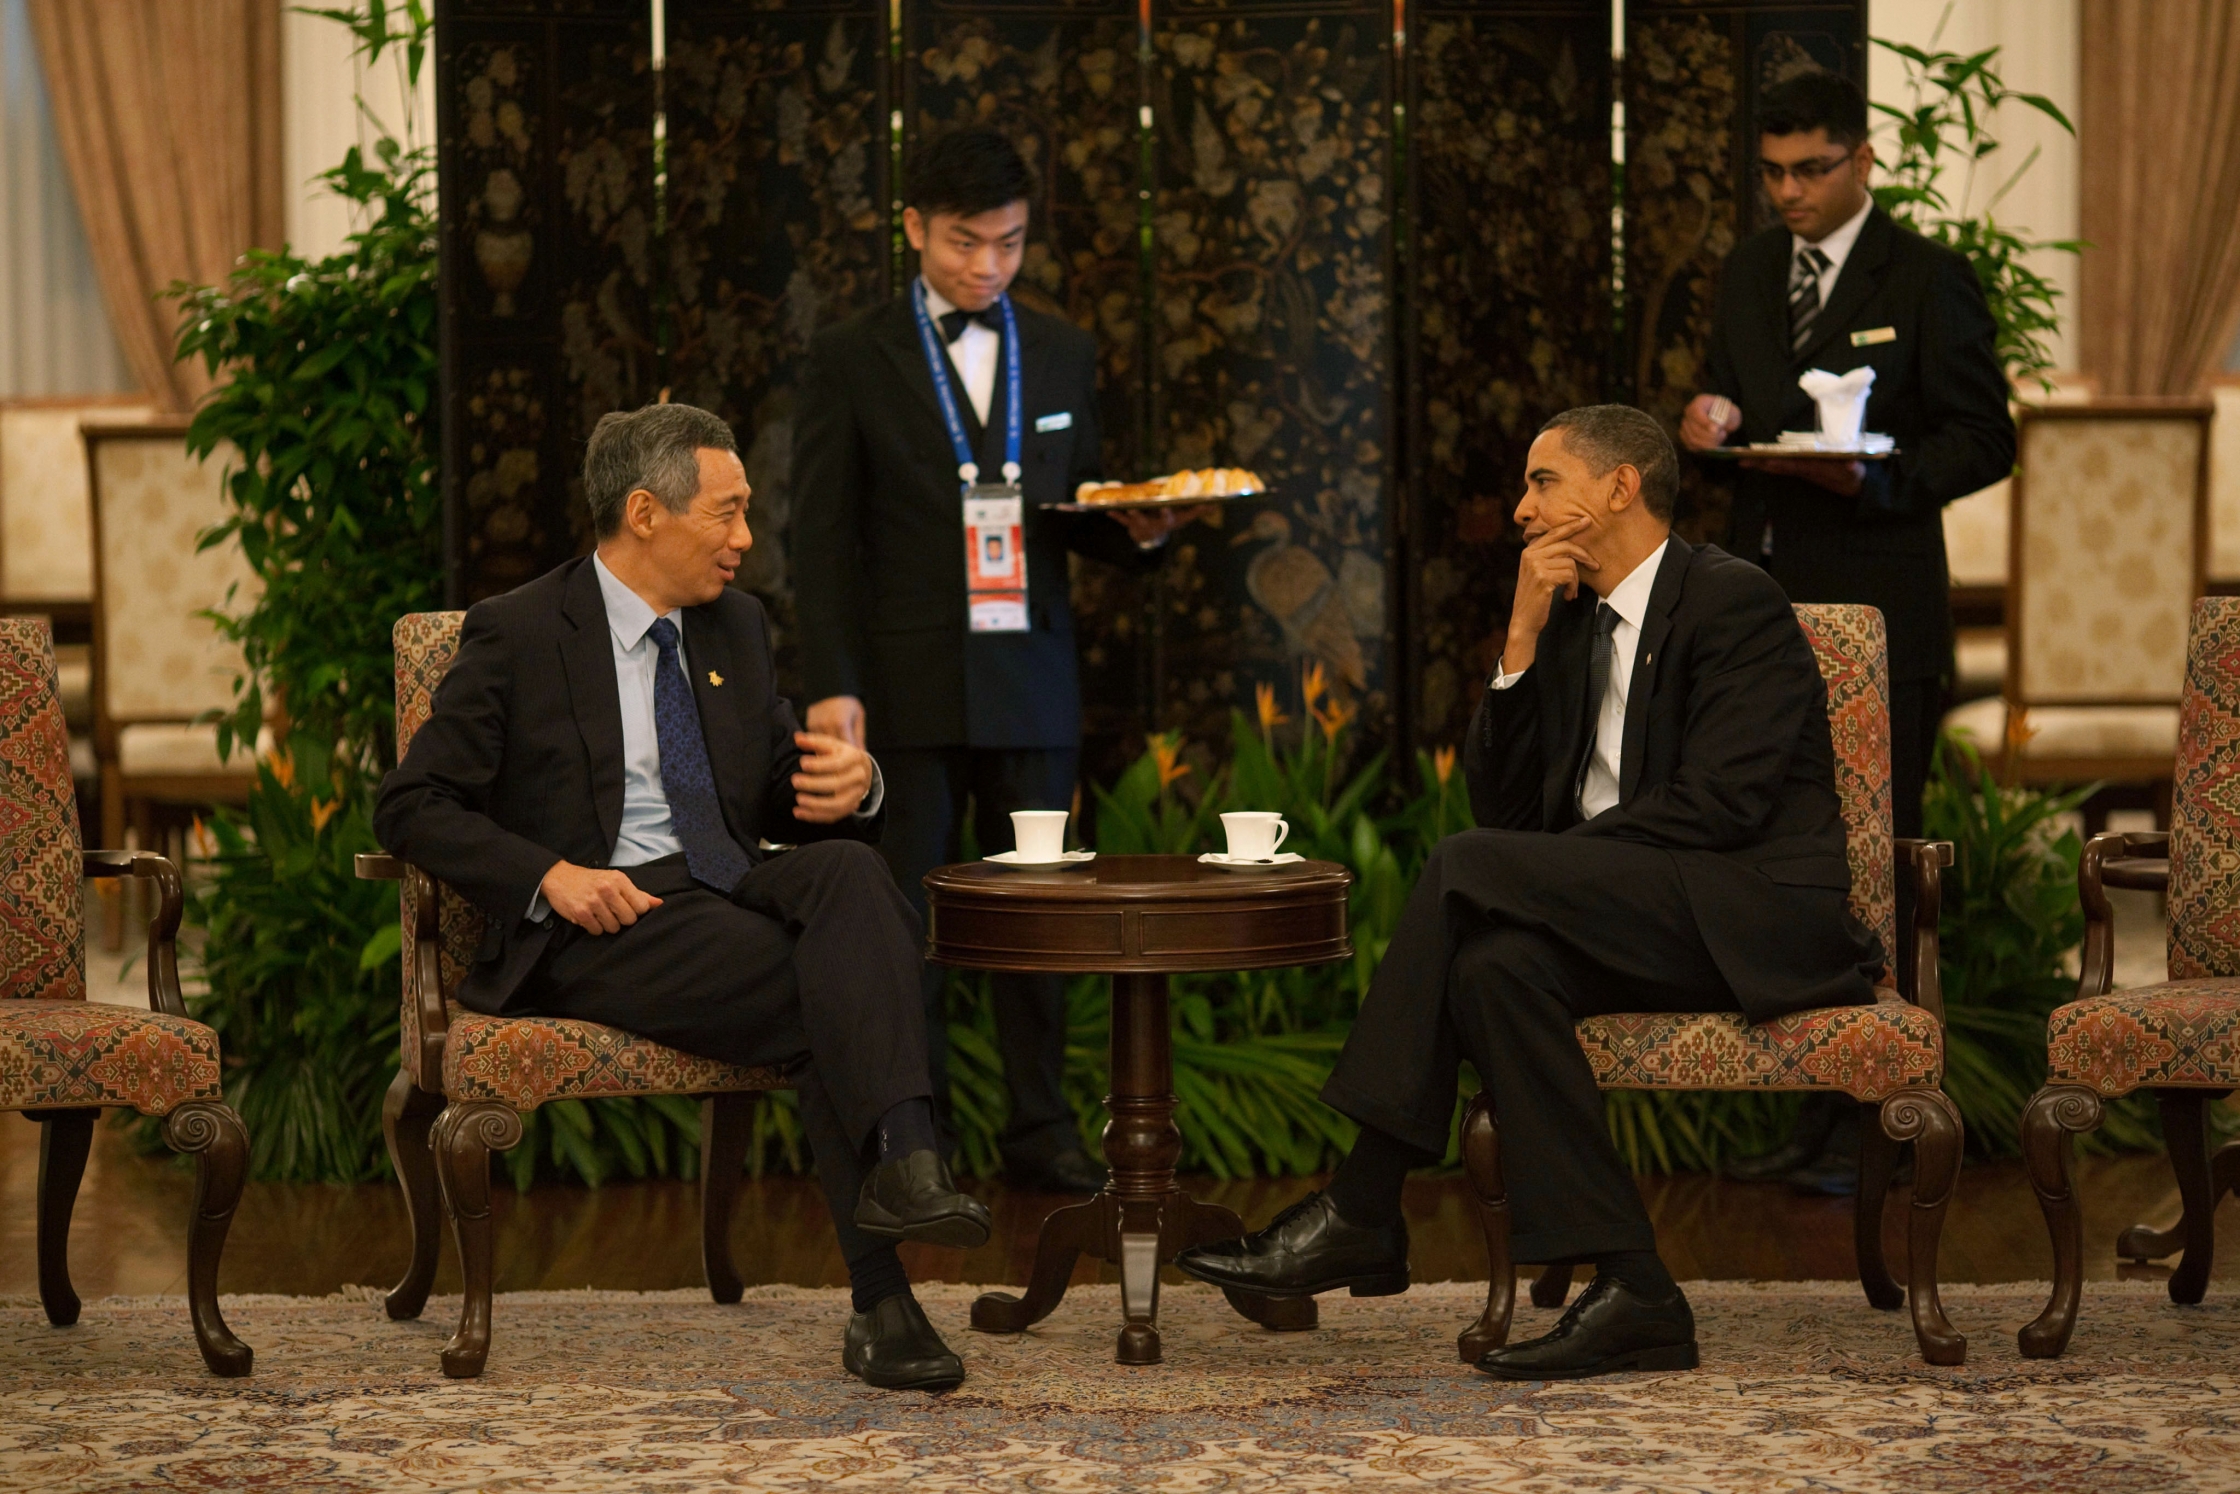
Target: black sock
[
  {"x": 1642, "y": 1272},
  {"x": 906, "y": 1127},
  {"x": 1365, "y": 1189},
  {"x": 876, "y": 1276}
]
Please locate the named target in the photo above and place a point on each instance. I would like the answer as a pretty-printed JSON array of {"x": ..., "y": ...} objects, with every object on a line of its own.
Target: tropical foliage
[{"x": 1955, "y": 97}]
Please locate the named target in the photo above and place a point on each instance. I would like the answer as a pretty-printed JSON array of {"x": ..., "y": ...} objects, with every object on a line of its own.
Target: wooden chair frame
[
  {"x": 207, "y": 1130},
  {"x": 1924, "y": 1116},
  {"x": 2060, "y": 1112},
  {"x": 441, "y": 1149}
]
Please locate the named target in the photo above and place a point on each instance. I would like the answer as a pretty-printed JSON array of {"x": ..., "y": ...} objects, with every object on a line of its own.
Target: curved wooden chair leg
[
  {"x": 212, "y": 1134},
  {"x": 407, "y": 1112},
  {"x": 1931, "y": 1122},
  {"x": 2142, "y": 1243},
  {"x": 65, "y": 1136},
  {"x": 2185, "y": 1135},
  {"x": 2056, "y": 1113},
  {"x": 726, "y": 1126},
  {"x": 1878, "y": 1161},
  {"x": 1552, "y": 1287},
  {"x": 1481, "y": 1160},
  {"x": 463, "y": 1138}
]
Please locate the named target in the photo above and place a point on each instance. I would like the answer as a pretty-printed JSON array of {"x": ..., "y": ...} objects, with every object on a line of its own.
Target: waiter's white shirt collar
[
  {"x": 1837, "y": 246},
  {"x": 1630, "y": 600},
  {"x": 974, "y": 353}
]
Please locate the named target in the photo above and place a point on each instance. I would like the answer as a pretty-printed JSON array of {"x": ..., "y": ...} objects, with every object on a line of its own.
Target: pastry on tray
[{"x": 1202, "y": 482}]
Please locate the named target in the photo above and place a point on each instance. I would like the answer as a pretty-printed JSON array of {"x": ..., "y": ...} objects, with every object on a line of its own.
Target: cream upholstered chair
[
  {"x": 160, "y": 669},
  {"x": 46, "y": 537},
  {"x": 2108, "y": 538},
  {"x": 466, "y": 1079}
]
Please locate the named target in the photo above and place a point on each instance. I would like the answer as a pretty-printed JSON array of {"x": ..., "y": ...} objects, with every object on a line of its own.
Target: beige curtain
[
  {"x": 168, "y": 114},
  {"x": 2159, "y": 135}
]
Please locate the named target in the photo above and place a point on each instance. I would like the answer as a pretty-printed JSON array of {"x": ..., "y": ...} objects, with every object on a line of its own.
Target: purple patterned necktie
[{"x": 710, "y": 853}]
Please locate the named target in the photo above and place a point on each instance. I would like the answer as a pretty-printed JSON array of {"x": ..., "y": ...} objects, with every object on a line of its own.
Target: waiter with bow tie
[
  {"x": 934, "y": 435},
  {"x": 1837, "y": 285}
]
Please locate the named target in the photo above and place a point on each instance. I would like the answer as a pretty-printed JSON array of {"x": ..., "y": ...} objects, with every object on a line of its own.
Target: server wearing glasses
[{"x": 1836, "y": 286}]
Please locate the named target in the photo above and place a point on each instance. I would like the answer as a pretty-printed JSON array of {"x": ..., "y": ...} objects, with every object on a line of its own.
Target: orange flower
[
  {"x": 323, "y": 810},
  {"x": 283, "y": 767},
  {"x": 1271, "y": 714},
  {"x": 1166, "y": 751},
  {"x": 1442, "y": 763},
  {"x": 1336, "y": 717},
  {"x": 200, "y": 841},
  {"x": 1312, "y": 683}
]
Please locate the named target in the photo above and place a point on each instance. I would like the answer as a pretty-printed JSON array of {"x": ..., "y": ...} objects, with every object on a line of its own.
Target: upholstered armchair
[
  {"x": 2180, "y": 1039},
  {"x": 63, "y": 1059},
  {"x": 161, "y": 670},
  {"x": 466, "y": 1079},
  {"x": 1889, "y": 1055}
]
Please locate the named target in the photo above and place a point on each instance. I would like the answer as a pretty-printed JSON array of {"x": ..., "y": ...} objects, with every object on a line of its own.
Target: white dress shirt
[
  {"x": 647, "y": 833},
  {"x": 975, "y": 353},
  {"x": 1837, "y": 246},
  {"x": 1630, "y": 600}
]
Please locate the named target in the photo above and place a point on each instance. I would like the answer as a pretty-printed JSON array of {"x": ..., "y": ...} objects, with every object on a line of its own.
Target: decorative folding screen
[{"x": 1363, "y": 247}]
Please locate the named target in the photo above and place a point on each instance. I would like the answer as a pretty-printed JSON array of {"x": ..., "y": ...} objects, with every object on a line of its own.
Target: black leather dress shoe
[
  {"x": 1069, "y": 1171},
  {"x": 1308, "y": 1248},
  {"x": 1607, "y": 1330},
  {"x": 914, "y": 1198},
  {"x": 895, "y": 1348}
]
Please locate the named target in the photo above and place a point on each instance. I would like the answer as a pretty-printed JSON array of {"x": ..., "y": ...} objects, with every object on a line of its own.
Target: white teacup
[
  {"x": 1039, "y": 833},
  {"x": 1254, "y": 834}
]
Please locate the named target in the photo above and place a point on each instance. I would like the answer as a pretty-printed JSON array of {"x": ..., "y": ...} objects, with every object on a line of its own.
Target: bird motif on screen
[{"x": 1291, "y": 584}]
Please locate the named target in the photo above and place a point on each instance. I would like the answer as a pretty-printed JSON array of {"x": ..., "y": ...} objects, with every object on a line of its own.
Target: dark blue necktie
[{"x": 710, "y": 853}]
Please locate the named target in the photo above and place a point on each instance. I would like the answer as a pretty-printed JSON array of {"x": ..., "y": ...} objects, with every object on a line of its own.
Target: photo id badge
[{"x": 995, "y": 559}]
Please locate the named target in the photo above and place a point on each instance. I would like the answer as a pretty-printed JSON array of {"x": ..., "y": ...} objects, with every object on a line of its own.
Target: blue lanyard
[{"x": 937, "y": 364}]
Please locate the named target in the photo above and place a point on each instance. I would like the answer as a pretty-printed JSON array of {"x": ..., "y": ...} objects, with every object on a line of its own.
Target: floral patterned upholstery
[
  {"x": 521, "y": 1061},
  {"x": 2183, "y": 1033},
  {"x": 1868, "y": 1052},
  {"x": 1853, "y": 653},
  {"x": 56, "y": 1048}
]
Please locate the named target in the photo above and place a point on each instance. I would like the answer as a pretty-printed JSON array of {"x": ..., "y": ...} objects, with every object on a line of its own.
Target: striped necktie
[
  {"x": 687, "y": 777},
  {"x": 1804, "y": 294}
]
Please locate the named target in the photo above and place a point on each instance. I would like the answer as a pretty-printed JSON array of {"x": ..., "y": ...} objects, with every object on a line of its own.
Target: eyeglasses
[{"x": 1806, "y": 172}]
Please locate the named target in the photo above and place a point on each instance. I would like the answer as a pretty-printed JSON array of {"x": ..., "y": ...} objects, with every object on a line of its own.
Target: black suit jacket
[
  {"x": 877, "y": 541},
  {"x": 520, "y": 764},
  {"x": 1727, "y": 764},
  {"x": 1938, "y": 388}
]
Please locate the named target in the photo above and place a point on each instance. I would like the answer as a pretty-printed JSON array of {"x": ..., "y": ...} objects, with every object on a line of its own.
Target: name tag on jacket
[
  {"x": 1873, "y": 335},
  {"x": 1062, "y": 421}
]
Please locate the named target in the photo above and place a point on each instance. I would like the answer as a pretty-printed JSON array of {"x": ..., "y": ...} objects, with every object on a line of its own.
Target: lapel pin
[{"x": 714, "y": 678}]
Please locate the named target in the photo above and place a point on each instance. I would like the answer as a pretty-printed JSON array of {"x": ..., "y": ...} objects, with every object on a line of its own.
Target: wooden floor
[{"x": 129, "y": 1232}]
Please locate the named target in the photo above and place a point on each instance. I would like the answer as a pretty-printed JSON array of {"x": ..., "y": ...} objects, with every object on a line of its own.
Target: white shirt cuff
[
  {"x": 1503, "y": 680},
  {"x": 877, "y": 796}
]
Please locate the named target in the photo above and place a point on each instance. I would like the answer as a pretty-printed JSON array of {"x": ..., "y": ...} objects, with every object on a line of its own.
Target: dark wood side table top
[
  {"x": 1129, "y": 914},
  {"x": 1140, "y": 919}
]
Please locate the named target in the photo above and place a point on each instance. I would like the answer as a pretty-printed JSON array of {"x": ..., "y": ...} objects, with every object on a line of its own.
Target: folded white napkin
[{"x": 1842, "y": 399}]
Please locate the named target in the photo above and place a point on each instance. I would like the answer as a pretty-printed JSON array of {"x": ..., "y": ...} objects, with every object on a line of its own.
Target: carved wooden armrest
[
  {"x": 164, "y": 994},
  {"x": 1918, "y": 979},
  {"x": 424, "y": 972},
  {"x": 2114, "y": 858}
]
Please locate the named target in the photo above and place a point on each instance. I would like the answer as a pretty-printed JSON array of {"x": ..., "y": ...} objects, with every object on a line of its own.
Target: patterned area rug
[{"x": 1803, "y": 1387}]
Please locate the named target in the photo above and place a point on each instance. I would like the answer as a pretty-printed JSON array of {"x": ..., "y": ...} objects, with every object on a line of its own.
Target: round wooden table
[{"x": 1138, "y": 919}]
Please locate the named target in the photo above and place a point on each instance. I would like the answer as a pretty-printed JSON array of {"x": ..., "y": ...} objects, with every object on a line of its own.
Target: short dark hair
[
  {"x": 656, "y": 448},
  {"x": 1815, "y": 99},
  {"x": 967, "y": 172},
  {"x": 1603, "y": 436}
]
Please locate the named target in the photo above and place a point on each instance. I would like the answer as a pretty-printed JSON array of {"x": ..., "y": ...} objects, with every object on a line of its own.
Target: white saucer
[
  {"x": 1228, "y": 862},
  {"x": 1070, "y": 858}
]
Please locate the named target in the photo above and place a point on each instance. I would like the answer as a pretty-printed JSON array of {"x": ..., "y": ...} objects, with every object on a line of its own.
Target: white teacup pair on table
[{"x": 1255, "y": 838}]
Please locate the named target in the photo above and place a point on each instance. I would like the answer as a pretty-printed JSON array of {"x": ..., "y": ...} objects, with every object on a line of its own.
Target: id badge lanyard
[{"x": 995, "y": 552}]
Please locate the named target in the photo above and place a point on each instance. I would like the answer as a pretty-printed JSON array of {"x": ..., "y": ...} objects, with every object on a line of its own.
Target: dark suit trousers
[
  {"x": 811, "y": 964},
  {"x": 927, "y": 788},
  {"x": 1509, "y": 938}
]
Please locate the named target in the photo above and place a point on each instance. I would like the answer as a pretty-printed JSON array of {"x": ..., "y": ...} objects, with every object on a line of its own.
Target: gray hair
[
  {"x": 656, "y": 448},
  {"x": 1604, "y": 436}
]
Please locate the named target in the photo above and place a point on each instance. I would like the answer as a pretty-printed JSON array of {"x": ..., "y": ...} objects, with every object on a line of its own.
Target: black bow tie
[{"x": 953, "y": 323}]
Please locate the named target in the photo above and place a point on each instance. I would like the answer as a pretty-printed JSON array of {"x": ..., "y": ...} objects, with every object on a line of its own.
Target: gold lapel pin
[{"x": 714, "y": 678}]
